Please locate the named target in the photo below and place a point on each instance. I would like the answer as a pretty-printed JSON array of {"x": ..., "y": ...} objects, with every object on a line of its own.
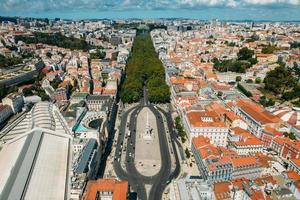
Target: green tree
[
  {"x": 220, "y": 93},
  {"x": 280, "y": 80},
  {"x": 263, "y": 100},
  {"x": 49, "y": 54},
  {"x": 144, "y": 68},
  {"x": 180, "y": 129},
  {"x": 245, "y": 54},
  {"x": 243, "y": 90},
  {"x": 238, "y": 78},
  {"x": 268, "y": 49},
  {"x": 187, "y": 153},
  {"x": 55, "y": 39},
  {"x": 258, "y": 80}
]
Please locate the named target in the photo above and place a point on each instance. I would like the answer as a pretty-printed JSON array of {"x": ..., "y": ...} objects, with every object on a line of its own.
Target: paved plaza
[{"x": 147, "y": 153}]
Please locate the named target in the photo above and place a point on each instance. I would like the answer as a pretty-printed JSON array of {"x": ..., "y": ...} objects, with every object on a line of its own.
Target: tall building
[{"x": 35, "y": 156}]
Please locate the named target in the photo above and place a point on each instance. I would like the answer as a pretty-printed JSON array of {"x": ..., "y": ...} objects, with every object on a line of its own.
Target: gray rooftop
[
  {"x": 33, "y": 160},
  {"x": 86, "y": 155}
]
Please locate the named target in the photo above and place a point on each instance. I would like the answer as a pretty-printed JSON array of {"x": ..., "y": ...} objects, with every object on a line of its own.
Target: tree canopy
[
  {"x": 9, "y": 61},
  {"x": 280, "y": 80},
  {"x": 245, "y": 54},
  {"x": 55, "y": 39},
  {"x": 144, "y": 68},
  {"x": 245, "y": 61},
  {"x": 268, "y": 49}
]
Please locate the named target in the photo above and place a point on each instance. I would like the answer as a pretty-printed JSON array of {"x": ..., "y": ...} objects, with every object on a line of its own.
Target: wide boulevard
[{"x": 125, "y": 167}]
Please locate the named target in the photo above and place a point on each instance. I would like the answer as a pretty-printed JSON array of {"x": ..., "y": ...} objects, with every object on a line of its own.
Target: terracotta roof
[
  {"x": 238, "y": 130},
  {"x": 211, "y": 75},
  {"x": 261, "y": 181},
  {"x": 200, "y": 141},
  {"x": 245, "y": 138},
  {"x": 244, "y": 161},
  {"x": 216, "y": 107},
  {"x": 222, "y": 190},
  {"x": 293, "y": 175},
  {"x": 296, "y": 162},
  {"x": 257, "y": 112},
  {"x": 264, "y": 160},
  {"x": 195, "y": 120},
  {"x": 264, "y": 55},
  {"x": 257, "y": 195},
  {"x": 119, "y": 189},
  {"x": 179, "y": 80},
  {"x": 293, "y": 143},
  {"x": 239, "y": 182},
  {"x": 279, "y": 140},
  {"x": 232, "y": 116},
  {"x": 272, "y": 131}
]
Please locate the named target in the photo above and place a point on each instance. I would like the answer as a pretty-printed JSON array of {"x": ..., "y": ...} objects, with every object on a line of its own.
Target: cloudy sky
[{"x": 258, "y": 9}]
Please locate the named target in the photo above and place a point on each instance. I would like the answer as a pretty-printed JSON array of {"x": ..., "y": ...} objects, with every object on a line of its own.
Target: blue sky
[{"x": 201, "y": 9}]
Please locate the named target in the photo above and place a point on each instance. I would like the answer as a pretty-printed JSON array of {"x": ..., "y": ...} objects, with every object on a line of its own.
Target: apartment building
[
  {"x": 243, "y": 142},
  {"x": 255, "y": 116},
  {"x": 207, "y": 124},
  {"x": 215, "y": 164}
]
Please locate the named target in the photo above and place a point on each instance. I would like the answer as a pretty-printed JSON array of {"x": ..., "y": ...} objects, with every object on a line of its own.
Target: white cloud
[
  {"x": 204, "y": 2},
  {"x": 269, "y": 2}
]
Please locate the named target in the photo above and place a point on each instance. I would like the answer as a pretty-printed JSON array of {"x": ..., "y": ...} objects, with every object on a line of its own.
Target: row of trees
[
  {"x": 55, "y": 39},
  {"x": 245, "y": 61},
  {"x": 144, "y": 68},
  {"x": 243, "y": 90},
  {"x": 180, "y": 130}
]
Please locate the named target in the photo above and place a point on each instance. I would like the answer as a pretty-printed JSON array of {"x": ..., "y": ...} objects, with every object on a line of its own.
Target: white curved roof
[
  {"x": 42, "y": 115},
  {"x": 289, "y": 115},
  {"x": 35, "y": 156}
]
